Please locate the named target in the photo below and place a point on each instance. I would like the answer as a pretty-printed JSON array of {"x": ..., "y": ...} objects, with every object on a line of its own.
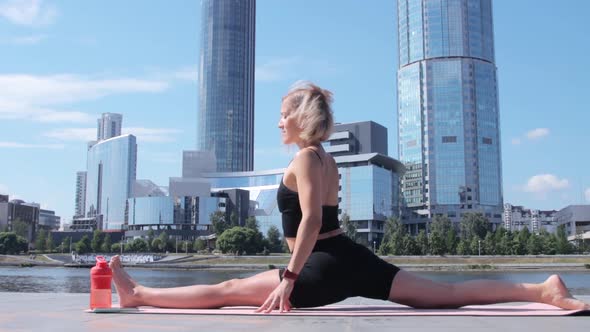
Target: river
[{"x": 77, "y": 280}]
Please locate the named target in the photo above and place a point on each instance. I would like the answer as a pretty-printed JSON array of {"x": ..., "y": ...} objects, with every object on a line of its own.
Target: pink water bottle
[{"x": 100, "y": 284}]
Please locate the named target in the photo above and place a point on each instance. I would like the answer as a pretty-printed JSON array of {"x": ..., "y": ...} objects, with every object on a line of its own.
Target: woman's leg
[
  {"x": 417, "y": 292},
  {"x": 249, "y": 291}
]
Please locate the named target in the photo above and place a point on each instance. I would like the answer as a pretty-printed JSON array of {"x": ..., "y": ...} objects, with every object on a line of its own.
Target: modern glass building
[
  {"x": 111, "y": 172},
  {"x": 448, "y": 117},
  {"x": 226, "y": 83},
  {"x": 109, "y": 126}
]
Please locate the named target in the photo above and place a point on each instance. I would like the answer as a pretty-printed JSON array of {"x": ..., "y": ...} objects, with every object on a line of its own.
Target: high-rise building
[
  {"x": 226, "y": 83},
  {"x": 448, "y": 117},
  {"x": 109, "y": 126},
  {"x": 111, "y": 174},
  {"x": 80, "y": 194}
]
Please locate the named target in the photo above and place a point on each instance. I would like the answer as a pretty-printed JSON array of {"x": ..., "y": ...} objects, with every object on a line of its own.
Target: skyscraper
[
  {"x": 448, "y": 121},
  {"x": 109, "y": 125},
  {"x": 80, "y": 194},
  {"x": 226, "y": 83},
  {"x": 111, "y": 172}
]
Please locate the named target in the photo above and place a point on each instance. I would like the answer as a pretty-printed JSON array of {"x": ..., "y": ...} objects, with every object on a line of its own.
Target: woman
[{"x": 325, "y": 265}]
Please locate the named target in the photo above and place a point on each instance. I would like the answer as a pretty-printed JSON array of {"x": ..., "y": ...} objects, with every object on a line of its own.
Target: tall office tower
[
  {"x": 226, "y": 83},
  {"x": 109, "y": 125},
  {"x": 448, "y": 121},
  {"x": 80, "y": 194},
  {"x": 111, "y": 168}
]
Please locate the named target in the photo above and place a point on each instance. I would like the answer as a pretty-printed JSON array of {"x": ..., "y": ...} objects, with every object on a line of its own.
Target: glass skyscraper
[
  {"x": 111, "y": 172},
  {"x": 226, "y": 83},
  {"x": 448, "y": 117}
]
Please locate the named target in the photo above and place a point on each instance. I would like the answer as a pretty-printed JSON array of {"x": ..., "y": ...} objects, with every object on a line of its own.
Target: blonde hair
[{"x": 312, "y": 107}]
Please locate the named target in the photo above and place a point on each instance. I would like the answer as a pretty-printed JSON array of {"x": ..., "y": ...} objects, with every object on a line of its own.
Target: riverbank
[{"x": 417, "y": 263}]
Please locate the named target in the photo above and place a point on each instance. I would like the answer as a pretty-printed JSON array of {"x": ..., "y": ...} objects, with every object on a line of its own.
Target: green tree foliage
[
  {"x": 474, "y": 224},
  {"x": 218, "y": 222},
  {"x": 106, "y": 243},
  {"x": 489, "y": 247},
  {"x": 534, "y": 245},
  {"x": 409, "y": 245},
  {"x": 21, "y": 228},
  {"x": 97, "y": 239},
  {"x": 116, "y": 248},
  {"x": 199, "y": 245},
  {"x": 137, "y": 245},
  {"x": 441, "y": 231},
  {"x": 422, "y": 242},
  {"x": 40, "y": 240},
  {"x": 273, "y": 235},
  {"x": 150, "y": 238},
  {"x": 563, "y": 247},
  {"x": 165, "y": 244},
  {"x": 12, "y": 244},
  {"x": 252, "y": 223},
  {"x": 83, "y": 246},
  {"x": 65, "y": 244},
  {"x": 157, "y": 245},
  {"x": 233, "y": 220},
  {"x": 49, "y": 245},
  {"x": 392, "y": 243},
  {"x": 348, "y": 226},
  {"x": 239, "y": 240}
]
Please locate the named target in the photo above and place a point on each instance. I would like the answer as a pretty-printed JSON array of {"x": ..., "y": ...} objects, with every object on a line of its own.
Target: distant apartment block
[
  {"x": 516, "y": 217},
  {"x": 109, "y": 126},
  {"x": 80, "y": 194}
]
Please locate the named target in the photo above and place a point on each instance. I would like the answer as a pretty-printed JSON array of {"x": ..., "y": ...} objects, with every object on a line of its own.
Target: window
[
  {"x": 487, "y": 140},
  {"x": 449, "y": 139}
]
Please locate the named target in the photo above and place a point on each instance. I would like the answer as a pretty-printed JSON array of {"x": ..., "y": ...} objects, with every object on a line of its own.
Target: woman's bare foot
[
  {"x": 555, "y": 293},
  {"x": 126, "y": 287}
]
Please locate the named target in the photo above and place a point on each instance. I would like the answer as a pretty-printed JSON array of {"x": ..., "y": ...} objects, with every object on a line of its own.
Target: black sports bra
[{"x": 288, "y": 202}]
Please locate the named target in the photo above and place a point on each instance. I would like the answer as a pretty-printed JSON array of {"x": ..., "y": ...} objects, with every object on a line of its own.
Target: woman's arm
[{"x": 308, "y": 172}]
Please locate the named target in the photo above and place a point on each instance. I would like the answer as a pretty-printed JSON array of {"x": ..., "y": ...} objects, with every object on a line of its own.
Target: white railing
[{"x": 126, "y": 259}]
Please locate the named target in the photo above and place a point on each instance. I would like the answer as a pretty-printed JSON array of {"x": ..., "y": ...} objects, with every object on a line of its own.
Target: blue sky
[{"x": 63, "y": 63}]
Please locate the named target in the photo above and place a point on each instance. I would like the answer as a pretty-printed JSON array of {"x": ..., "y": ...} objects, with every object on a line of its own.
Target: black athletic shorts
[{"x": 339, "y": 268}]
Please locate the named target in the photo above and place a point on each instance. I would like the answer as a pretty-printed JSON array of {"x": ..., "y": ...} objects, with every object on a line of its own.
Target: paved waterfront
[{"x": 65, "y": 312}]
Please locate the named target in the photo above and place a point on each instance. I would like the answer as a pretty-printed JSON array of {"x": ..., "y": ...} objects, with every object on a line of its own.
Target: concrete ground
[{"x": 65, "y": 312}]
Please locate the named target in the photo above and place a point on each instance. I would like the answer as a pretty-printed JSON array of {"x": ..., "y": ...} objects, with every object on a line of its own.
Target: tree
[
  {"x": 40, "y": 240},
  {"x": 475, "y": 245},
  {"x": 199, "y": 245},
  {"x": 20, "y": 228},
  {"x": 164, "y": 244},
  {"x": 348, "y": 226},
  {"x": 392, "y": 242},
  {"x": 473, "y": 224},
  {"x": 218, "y": 222},
  {"x": 106, "y": 243},
  {"x": 233, "y": 219},
  {"x": 97, "y": 238},
  {"x": 534, "y": 245},
  {"x": 9, "y": 243},
  {"x": 150, "y": 237},
  {"x": 157, "y": 245},
  {"x": 273, "y": 236},
  {"x": 563, "y": 246},
  {"x": 409, "y": 245},
  {"x": 442, "y": 239},
  {"x": 489, "y": 247},
  {"x": 83, "y": 246},
  {"x": 239, "y": 240},
  {"x": 116, "y": 247},
  {"x": 252, "y": 223},
  {"x": 422, "y": 242},
  {"x": 138, "y": 245},
  {"x": 65, "y": 243},
  {"x": 49, "y": 246}
]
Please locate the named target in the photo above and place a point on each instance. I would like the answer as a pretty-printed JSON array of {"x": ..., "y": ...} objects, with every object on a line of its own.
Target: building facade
[
  {"x": 576, "y": 219},
  {"x": 226, "y": 83},
  {"x": 48, "y": 220},
  {"x": 111, "y": 173},
  {"x": 448, "y": 116},
  {"x": 80, "y": 194},
  {"x": 109, "y": 126},
  {"x": 516, "y": 217}
]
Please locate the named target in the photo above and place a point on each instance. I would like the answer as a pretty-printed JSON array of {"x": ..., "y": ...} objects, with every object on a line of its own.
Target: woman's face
[{"x": 290, "y": 130}]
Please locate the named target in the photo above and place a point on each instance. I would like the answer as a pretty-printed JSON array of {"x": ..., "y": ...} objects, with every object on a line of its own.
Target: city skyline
[{"x": 49, "y": 104}]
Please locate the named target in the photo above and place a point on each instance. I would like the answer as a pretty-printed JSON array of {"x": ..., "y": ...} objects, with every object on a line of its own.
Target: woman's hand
[{"x": 279, "y": 298}]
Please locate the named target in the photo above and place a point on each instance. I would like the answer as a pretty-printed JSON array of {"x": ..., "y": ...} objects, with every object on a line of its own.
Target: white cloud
[
  {"x": 587, "y": 195},
  {"x": 153, "y": 135},
  {"x": 17, "y": 145},
  {"x": 38, "y": 98},
  {"x": 537, "y": 133},
  {"x": 275, "y": 69},
  {"x": 28, "y": 12},
  {"x": 544, "y": 183},
  {"x": 187, "y": 74},
  {"x": 516, "y": 141}
]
